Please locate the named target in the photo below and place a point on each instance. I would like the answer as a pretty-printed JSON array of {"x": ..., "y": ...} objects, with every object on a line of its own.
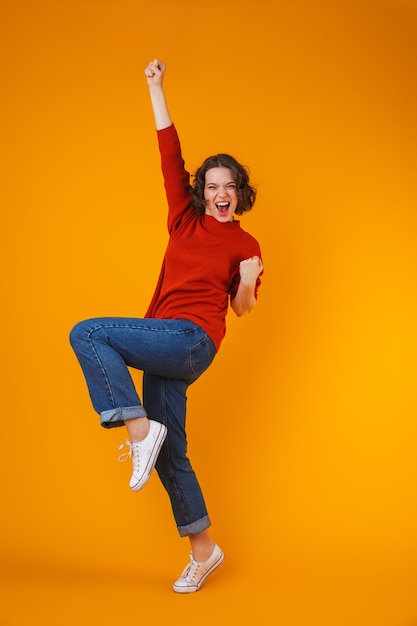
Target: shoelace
[
  {"x": 122, "y": 458},
  {"x": 191, "y": 570}
]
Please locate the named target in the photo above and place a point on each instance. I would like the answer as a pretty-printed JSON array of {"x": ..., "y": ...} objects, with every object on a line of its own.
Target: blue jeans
[{"x": 172, "y": 355}]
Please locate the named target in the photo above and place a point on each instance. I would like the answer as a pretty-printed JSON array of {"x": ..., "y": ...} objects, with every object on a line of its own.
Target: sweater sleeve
[{"x": 176, "y": 177}]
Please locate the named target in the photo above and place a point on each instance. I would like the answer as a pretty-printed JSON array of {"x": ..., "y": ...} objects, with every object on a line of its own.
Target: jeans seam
[
  {"x": 146, "y": 327},
  {"x": 177, "y": 492},
  {"x": 102, "y": 369}
]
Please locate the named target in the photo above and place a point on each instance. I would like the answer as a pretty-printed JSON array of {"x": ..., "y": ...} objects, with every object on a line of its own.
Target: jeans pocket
[{"x": 201, "y": 355}]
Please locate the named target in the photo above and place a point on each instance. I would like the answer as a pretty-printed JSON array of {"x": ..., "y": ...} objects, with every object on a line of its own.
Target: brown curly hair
[{"x": 245, "y": 192}]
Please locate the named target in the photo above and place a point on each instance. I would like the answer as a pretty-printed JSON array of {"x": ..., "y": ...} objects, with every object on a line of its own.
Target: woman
[{"x": 209, "y": 260}]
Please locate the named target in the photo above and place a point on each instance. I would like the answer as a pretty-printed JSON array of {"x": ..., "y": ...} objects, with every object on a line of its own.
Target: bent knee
[{"x": 79, "y": 333}]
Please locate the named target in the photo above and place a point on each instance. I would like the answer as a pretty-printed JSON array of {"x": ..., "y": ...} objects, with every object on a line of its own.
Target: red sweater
[{"x": 200, "y": 270}]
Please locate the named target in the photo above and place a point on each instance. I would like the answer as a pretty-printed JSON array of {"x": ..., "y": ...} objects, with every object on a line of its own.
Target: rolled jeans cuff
[
  {"x": 113, "y": 418},
  {"x": 195, "y": 527}
]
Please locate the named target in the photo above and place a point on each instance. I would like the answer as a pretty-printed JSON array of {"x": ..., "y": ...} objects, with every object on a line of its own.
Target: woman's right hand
[{"x": 155, "y": 73}]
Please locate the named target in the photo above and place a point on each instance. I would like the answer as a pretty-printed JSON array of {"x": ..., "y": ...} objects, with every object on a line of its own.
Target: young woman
[{"x": 210, "y": 260}]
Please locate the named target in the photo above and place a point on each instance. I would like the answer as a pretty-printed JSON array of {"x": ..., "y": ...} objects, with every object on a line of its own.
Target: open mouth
[{"x": 223, "y": 207}]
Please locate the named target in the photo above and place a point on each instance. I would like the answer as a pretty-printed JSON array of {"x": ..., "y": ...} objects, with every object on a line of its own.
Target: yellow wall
[{"x": 303, "y": 432}]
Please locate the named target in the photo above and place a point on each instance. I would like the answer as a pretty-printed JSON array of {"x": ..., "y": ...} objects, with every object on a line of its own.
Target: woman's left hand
[{"x": 250, "y": 269}]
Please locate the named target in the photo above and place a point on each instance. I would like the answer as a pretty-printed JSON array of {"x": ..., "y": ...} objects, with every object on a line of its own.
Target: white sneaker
[
  {"x": 196, "y": 572},
  {"x": 144, "y": 454}
]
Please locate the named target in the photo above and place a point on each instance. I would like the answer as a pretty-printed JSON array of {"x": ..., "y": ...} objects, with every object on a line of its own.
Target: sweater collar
[{"x": 211, "y": 224}]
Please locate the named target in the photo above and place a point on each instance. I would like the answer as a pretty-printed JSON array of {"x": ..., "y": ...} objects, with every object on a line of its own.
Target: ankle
[
  {"x": 204, "y": 551},
  {"x": 137, "y": 428},
  {"x": 202, "y": 545}
]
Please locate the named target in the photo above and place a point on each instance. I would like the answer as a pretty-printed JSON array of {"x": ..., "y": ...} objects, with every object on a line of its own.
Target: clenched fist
[
  {"x": 154, "y": 72},
  {"x": 250, "y": 269}
]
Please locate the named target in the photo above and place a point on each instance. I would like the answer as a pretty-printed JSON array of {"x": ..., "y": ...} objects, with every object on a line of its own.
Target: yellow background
[{"x": 303, "y": 432}]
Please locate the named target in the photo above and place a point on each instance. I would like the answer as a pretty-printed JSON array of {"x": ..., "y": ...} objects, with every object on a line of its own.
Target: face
[{"x": 220, "y": 194}]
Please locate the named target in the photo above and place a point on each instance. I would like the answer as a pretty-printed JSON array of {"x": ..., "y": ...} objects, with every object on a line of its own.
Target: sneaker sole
[
  {"x": 213, "y": 567},
  {"x": 152, "y": 459}
]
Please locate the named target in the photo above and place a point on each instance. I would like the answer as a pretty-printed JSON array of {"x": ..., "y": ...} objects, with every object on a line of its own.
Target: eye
[{"x": 231, "y": 186}]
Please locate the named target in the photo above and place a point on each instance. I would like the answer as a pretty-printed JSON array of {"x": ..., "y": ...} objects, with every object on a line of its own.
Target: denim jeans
[{"x": 172, "y": 355}]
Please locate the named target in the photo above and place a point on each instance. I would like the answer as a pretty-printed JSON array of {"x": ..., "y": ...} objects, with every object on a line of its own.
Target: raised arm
[
  {"x": 154, "y": 73},
  {"x": 176, "y": 177}
]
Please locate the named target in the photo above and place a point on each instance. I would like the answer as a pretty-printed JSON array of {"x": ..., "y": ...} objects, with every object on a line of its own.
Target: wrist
[
  {"x": 247, "y": 284},
  {"x": 156, "y": 88}
]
